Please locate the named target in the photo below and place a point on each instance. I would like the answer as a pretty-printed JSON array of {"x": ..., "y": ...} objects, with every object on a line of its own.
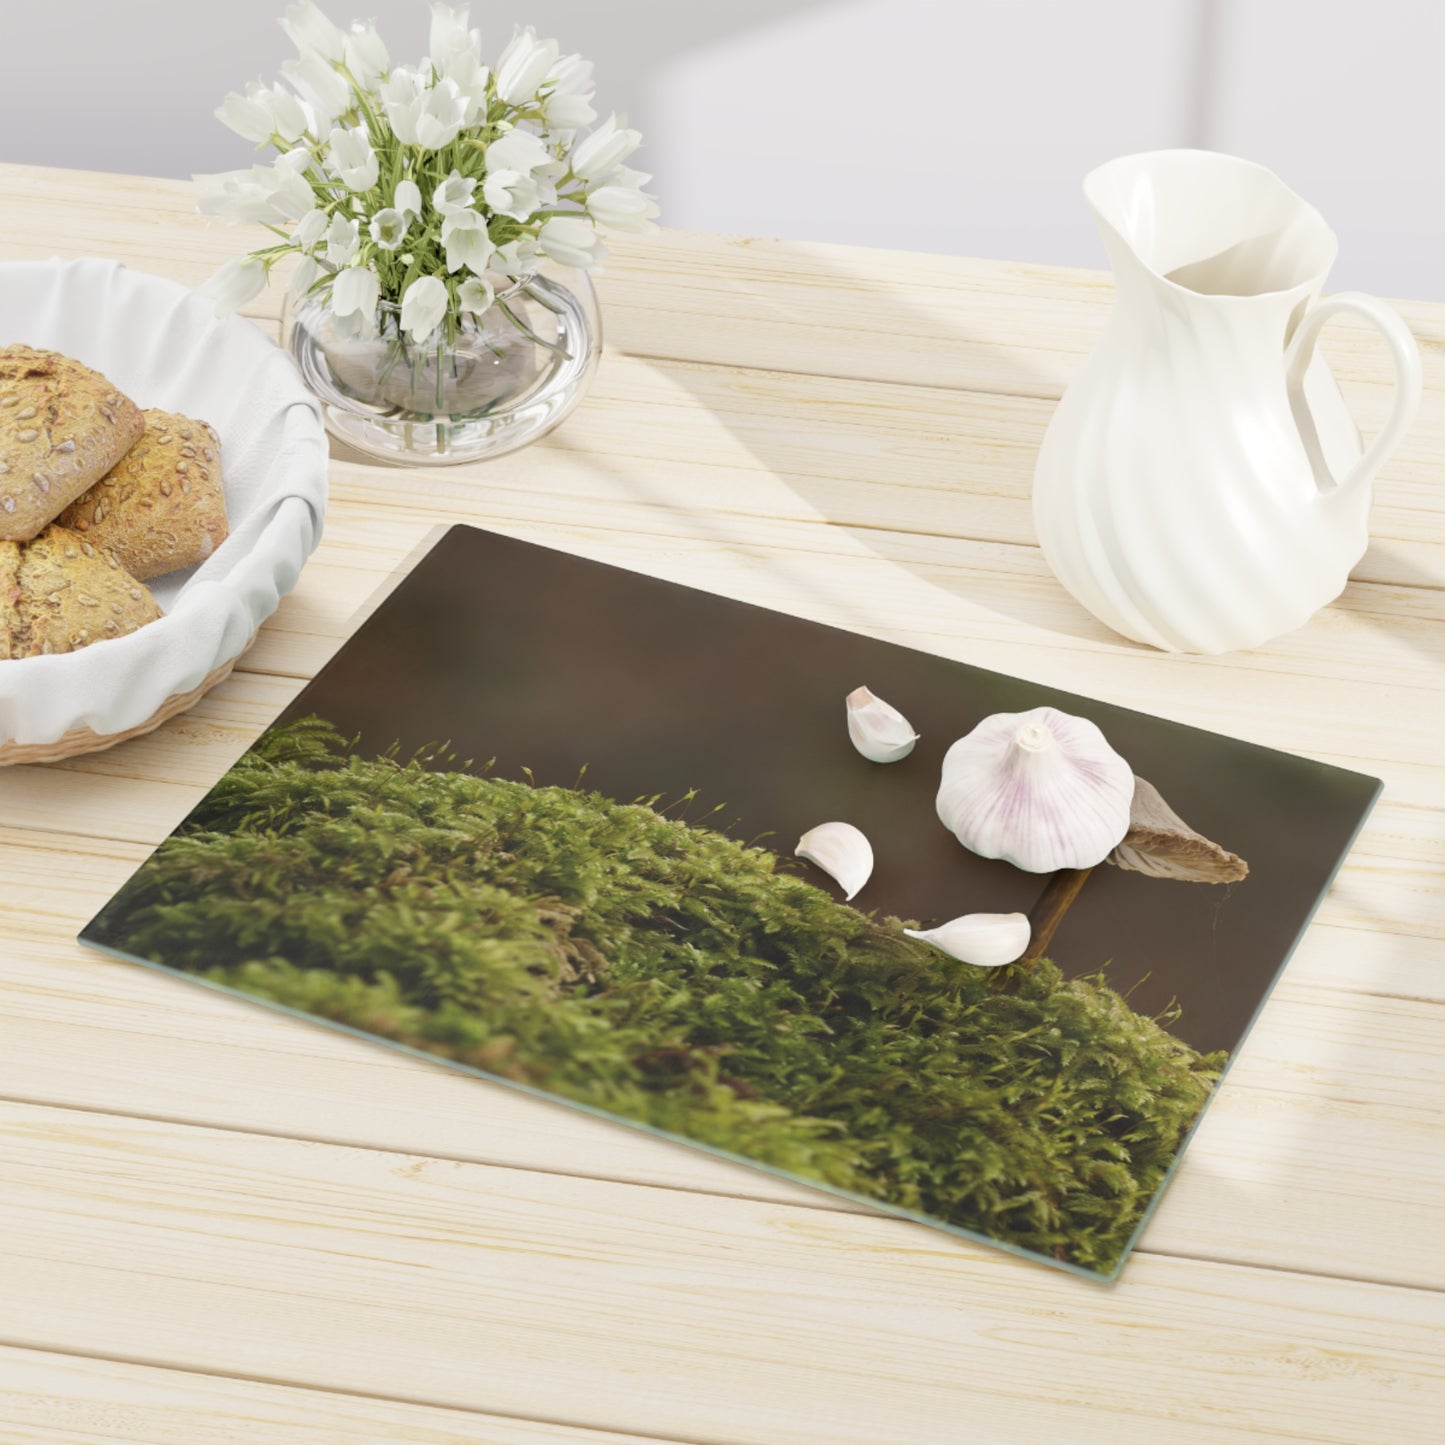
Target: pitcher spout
[{"x": 1209, "y": 225}]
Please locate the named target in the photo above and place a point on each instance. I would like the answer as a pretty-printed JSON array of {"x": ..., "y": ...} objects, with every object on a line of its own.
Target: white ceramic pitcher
[{"x": 1202, "y": 486}]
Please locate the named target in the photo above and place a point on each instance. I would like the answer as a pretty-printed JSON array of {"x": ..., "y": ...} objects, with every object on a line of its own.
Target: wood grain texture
[
  {"x": 51, "y": 1399},
  {"x": 214, "y": 1218},
  {"x": 469, "y": 1287},
  {"x": 1322, "y": 1132},
  {"x": 1008, "y": 327}
]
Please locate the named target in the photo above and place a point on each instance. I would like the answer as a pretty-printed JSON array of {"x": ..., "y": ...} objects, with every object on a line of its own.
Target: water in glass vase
[{"x": 480, "y": 387}]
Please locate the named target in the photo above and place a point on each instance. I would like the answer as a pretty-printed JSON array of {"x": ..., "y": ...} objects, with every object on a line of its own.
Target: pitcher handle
[{"x": 1403, "y": 352}]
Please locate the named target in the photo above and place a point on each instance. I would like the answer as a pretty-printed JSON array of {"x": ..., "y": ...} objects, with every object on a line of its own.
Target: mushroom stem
[{"x": 1046, "y": 915}]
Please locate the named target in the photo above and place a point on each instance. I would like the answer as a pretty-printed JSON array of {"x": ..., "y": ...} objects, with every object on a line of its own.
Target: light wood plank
[
  {"x": 662, "y": 282},
  {"x": 870, "y": 453},
  {"x": 103, "y": 792},
  {"x": 990, "y": 604},
  {"x": 906, "y": 458},
  {"x": 50, "y": 1399},
  {"x": 997, "y": 326},
  {"x": 1329, "y": 1126},
  {"x": 638, "y": 1309},
  {"x": 1349, "y": 688},
  {"x": 931, "y": 592}
]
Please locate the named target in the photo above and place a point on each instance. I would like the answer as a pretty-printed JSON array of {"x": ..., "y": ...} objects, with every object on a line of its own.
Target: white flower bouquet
[{"x": 437, "y": 187}]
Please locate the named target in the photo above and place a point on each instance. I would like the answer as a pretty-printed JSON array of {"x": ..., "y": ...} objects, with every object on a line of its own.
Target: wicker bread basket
[
  {"x": 164, "y": 347},
  {"x": 83, "y": 740}
]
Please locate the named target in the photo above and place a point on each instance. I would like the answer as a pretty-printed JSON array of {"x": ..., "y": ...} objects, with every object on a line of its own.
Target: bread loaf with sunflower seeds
[
  {"x": 62, "y": 427},
  {"x": 59, "y": 593},
  {"x": 162, "y": 506}
]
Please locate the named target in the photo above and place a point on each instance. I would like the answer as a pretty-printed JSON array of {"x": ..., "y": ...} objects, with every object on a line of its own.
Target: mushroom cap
[
  {"x": 1042, "y": 790},
  {"x": 1160, "y": 844}
]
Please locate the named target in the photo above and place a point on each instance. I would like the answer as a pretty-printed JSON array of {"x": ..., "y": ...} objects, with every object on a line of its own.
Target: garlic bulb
[
  {"x": 1042, "y": 790},
  {"x": 985, "y": 940},
  {"x": 878, "y": 730},
  {"x": 840, "y": 850}
]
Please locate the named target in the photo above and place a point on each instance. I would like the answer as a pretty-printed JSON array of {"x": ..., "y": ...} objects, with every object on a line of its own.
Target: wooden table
[{"x": 217, "y": 1225}]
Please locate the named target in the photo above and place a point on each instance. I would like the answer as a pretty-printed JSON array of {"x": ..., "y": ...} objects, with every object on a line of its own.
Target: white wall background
[{"x": 960, "y": 126}]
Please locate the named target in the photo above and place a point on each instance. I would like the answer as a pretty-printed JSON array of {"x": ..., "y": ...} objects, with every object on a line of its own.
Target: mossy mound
[{"x": 668, "y": 973}]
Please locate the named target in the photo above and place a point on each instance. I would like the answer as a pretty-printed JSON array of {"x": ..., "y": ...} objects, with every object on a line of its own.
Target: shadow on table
[
  {"x": 963, "y": 485},
  {"x": 1426, "y": 637},
  {"x": 926, "y": 439}
]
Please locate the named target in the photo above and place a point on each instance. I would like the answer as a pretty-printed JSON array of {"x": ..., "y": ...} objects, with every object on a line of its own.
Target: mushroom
[{"x": 1159, "y": 844}]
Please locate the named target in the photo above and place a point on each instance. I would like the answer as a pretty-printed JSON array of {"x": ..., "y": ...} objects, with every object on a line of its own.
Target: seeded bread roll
[
  {"x": 62, "y": 427},
  {"x": 162, "y": 506},
  {"x": 10, "y": 627},
  {"x": 60, "y": 592}
]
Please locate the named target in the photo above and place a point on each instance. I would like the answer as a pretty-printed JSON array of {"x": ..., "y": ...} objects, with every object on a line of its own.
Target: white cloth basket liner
[{"x": 163, "y": 346}]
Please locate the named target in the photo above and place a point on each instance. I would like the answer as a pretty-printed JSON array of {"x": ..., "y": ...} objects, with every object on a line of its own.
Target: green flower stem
[{"x": 554, "y": 347}]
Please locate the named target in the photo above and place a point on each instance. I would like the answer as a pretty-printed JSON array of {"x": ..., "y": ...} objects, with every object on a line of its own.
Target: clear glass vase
[{"x": 489, "y": 387}]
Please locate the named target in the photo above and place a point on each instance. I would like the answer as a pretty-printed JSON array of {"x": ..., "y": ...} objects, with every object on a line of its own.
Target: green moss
[{"x": 670, "y": 974}]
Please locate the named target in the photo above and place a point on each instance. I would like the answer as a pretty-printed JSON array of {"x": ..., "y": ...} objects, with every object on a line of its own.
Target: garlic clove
[
  {"x": 985, "y": 940},
  {"x": 840, "y": 850},
  {"x": 878, "y": 730},
  {"x": 1042, "y": 790}
]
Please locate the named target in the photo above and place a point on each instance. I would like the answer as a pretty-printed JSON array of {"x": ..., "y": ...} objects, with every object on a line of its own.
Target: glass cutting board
[{"x": 536, "y": 820}]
